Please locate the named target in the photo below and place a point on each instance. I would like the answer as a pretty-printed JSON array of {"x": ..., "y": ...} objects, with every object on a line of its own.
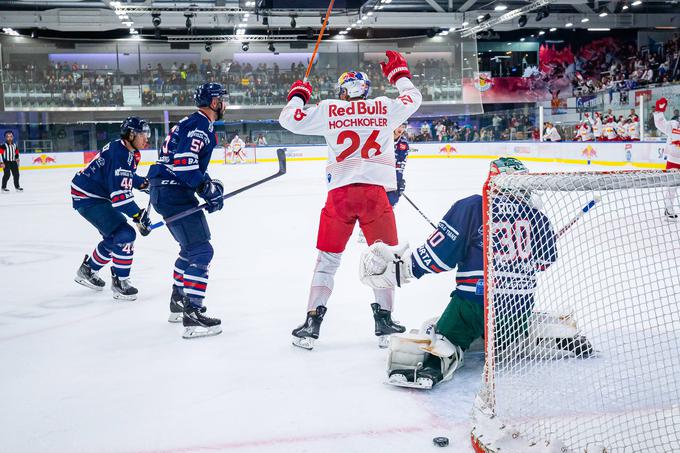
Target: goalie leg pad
[
  {"x": 556, "y": 336},
  {"x": 418, "y": 361}
]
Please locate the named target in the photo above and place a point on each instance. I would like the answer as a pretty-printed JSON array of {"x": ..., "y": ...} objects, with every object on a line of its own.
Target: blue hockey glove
[
  {"x": 401, "y": 185},
  {"x": 211, "y": 190}
]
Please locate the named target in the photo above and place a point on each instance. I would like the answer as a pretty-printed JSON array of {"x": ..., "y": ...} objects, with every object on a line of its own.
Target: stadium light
[
  {"x": 636, "y": 3},
  {"x": 522, "y": 20},
  {"x": 244, "y": 47},
  {"x": 569, "y": 24},
  {"x": 501, "y": 7},
  {"x": 508, "y": 16}
]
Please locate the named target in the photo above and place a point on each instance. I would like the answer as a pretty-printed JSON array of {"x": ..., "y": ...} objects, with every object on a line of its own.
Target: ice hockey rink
[{"x": 85, "y": 373}]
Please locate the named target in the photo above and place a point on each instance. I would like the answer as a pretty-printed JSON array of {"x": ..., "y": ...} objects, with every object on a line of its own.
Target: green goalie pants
[{"x": 463, "y": 320}]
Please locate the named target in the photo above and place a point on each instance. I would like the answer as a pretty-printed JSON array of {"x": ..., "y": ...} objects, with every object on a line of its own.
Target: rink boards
[{"x": 617, "y": 154}]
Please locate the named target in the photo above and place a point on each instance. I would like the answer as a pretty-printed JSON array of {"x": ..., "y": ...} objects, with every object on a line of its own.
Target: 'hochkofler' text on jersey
[{"x": 359, "y": 133}]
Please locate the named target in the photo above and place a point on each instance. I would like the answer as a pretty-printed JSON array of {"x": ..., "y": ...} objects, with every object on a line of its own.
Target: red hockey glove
[
  {"x": 301, "y": 89},
  {"x": 396, "y": 67},
  {"x": 661, "y": 105}
]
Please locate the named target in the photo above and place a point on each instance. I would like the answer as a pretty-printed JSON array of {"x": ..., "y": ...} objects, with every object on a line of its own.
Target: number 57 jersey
[{"x": 359, "y": 134}]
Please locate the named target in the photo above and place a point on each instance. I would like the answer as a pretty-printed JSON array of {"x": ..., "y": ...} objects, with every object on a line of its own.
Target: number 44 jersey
[
  {"x": 110, "y": 176},
  {"x": 359, "y": 134}
]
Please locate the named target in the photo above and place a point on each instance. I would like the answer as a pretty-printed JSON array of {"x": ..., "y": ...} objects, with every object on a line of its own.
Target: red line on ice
[{"x": 288, "y": 440}]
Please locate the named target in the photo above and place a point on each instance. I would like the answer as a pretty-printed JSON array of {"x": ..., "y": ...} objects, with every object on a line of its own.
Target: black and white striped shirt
[{"x": 9, "y": 152}]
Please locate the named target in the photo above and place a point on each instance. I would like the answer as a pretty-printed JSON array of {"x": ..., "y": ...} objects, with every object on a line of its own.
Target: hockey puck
[{"x": 441, "y": 441}]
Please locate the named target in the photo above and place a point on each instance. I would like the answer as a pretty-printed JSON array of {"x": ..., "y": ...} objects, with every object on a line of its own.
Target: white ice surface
[{"x": 82, "y": 373}]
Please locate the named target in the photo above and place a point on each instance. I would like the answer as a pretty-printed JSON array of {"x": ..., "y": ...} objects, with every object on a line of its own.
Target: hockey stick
[
  {"x": 280, "y": 154},
  {"x": 318, "y": 40},
  {"x": 581, "y": 212},
  {"x": 419, "y": 211}
]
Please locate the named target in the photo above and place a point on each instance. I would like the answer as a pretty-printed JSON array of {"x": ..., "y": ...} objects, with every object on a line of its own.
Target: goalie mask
[
  {"x": 354, "y": 84},
  {"x": 506, "y": 166}
]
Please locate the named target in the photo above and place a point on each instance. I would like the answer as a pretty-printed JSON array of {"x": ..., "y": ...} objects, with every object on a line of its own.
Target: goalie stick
[
  {"x": 419, "y": 211},
  {"x": 280, "y": 154},
  {"x": 581, "y": 212}
]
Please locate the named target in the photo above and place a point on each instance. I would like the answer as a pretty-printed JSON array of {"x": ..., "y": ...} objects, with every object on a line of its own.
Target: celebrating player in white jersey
[
  {"x": 672, "y": 130},
  {"x": 361, "y": 163},
  {"x": 236, "y": 148},
  {"x": 596, "y": 123}
]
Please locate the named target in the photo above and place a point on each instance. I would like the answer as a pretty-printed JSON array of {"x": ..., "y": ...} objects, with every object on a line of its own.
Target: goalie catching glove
[{"x": 384, "y": 266}]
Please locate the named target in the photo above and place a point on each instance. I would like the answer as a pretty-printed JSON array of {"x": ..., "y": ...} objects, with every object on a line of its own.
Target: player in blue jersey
[
  {"x": 421, "y": 360},
  {"x": 102, "y": 194},
  {"x": 401, "y": 149},
  {"x": 176, "y": 178}
]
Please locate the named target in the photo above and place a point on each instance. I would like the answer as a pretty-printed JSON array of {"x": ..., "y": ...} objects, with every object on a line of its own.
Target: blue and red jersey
[
  {"x": 110, "y": 177},
  {"x": 184, "y": 157},
  {"x": 524, "y": 243}
]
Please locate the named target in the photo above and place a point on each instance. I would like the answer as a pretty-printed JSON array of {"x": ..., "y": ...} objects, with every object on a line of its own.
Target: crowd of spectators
[
  {"x": 60, "y": 85},
  {"x": 501, "y": 126},
  {"x": 608, "y": 66},
  {"x": 268, "y": 84}
]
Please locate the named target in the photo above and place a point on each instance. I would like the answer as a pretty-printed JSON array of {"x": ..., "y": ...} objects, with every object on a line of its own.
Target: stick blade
[{"x": 281, "y": 155}]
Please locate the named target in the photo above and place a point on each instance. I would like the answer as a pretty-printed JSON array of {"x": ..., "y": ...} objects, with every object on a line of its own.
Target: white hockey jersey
[
  {"x": 634, "y": 130},
  {"x": 236, "y": 144},
  {"x": 609, "y": 131},
  {"x": 672, "y": 130},
  {"x": 596, "y": 123},
  {"x": 585, "y": 133},
  {"x": 359, "y": 134}
]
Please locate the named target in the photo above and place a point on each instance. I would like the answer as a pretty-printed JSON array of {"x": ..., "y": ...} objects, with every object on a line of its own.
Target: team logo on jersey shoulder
[
  {"x": 299, "y": 115},
  {"x": 403, "y": 146}
]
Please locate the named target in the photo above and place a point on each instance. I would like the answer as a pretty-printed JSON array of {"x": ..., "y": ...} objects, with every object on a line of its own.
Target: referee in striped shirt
[{"x": 10, "y": 161}]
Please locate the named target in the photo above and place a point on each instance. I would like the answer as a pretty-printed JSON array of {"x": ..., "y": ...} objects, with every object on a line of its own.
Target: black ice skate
[
  {"x": 4, "y": 189},
  {"x": 420, "y": 378},
  {"x": 176, "y": 304},
  {"x": 670, "y": 215},
  {"x": 19, "y": 189},
  {"x": 196, "y": 324},
  {"x": 122, "y": 288},
  {"x": 384, "y": 325},
  {"x": 87, "y": 277},
  {"x": 304, "y": 335}
]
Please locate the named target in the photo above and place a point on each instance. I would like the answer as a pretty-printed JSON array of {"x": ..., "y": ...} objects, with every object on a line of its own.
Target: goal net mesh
[{"x": 582, "y": 313}]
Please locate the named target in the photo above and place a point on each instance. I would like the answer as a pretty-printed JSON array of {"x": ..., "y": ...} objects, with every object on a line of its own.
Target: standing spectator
[
  {"x": 10, "y": 162},
  {"x": 551, "y": 134},
  {"x": 440, "y": 130},
  {"x": 261, "y": 140},
  {"x": 425, "y": 131}
]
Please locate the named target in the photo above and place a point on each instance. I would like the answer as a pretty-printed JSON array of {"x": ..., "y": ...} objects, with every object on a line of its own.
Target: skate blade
[
  {"x": 85, "y": 283},
  {"x": 176, "y": 317},
  {"x": 384, "y": 341},
  {"x": 119, "y": 296},
  {"x": 191, "y": 332},
  {"x": 399, "y": 380},
  {"x": 304, "y": 342}
]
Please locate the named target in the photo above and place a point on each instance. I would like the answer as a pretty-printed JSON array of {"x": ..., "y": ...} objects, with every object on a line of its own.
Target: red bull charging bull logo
[
  {"x": 589, "y": 152},
  {"x": 448, "y": 149},
  {"x": 44, "y": 160}
]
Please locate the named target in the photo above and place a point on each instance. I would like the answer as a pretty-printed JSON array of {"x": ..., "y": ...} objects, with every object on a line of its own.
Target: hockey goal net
[
  {"x": 582, "y": 314},
  {"x": 240, "y": 155}
]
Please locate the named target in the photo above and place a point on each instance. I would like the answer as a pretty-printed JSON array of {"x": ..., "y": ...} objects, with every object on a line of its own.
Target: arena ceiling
[{"x": 90, "y": 19}]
